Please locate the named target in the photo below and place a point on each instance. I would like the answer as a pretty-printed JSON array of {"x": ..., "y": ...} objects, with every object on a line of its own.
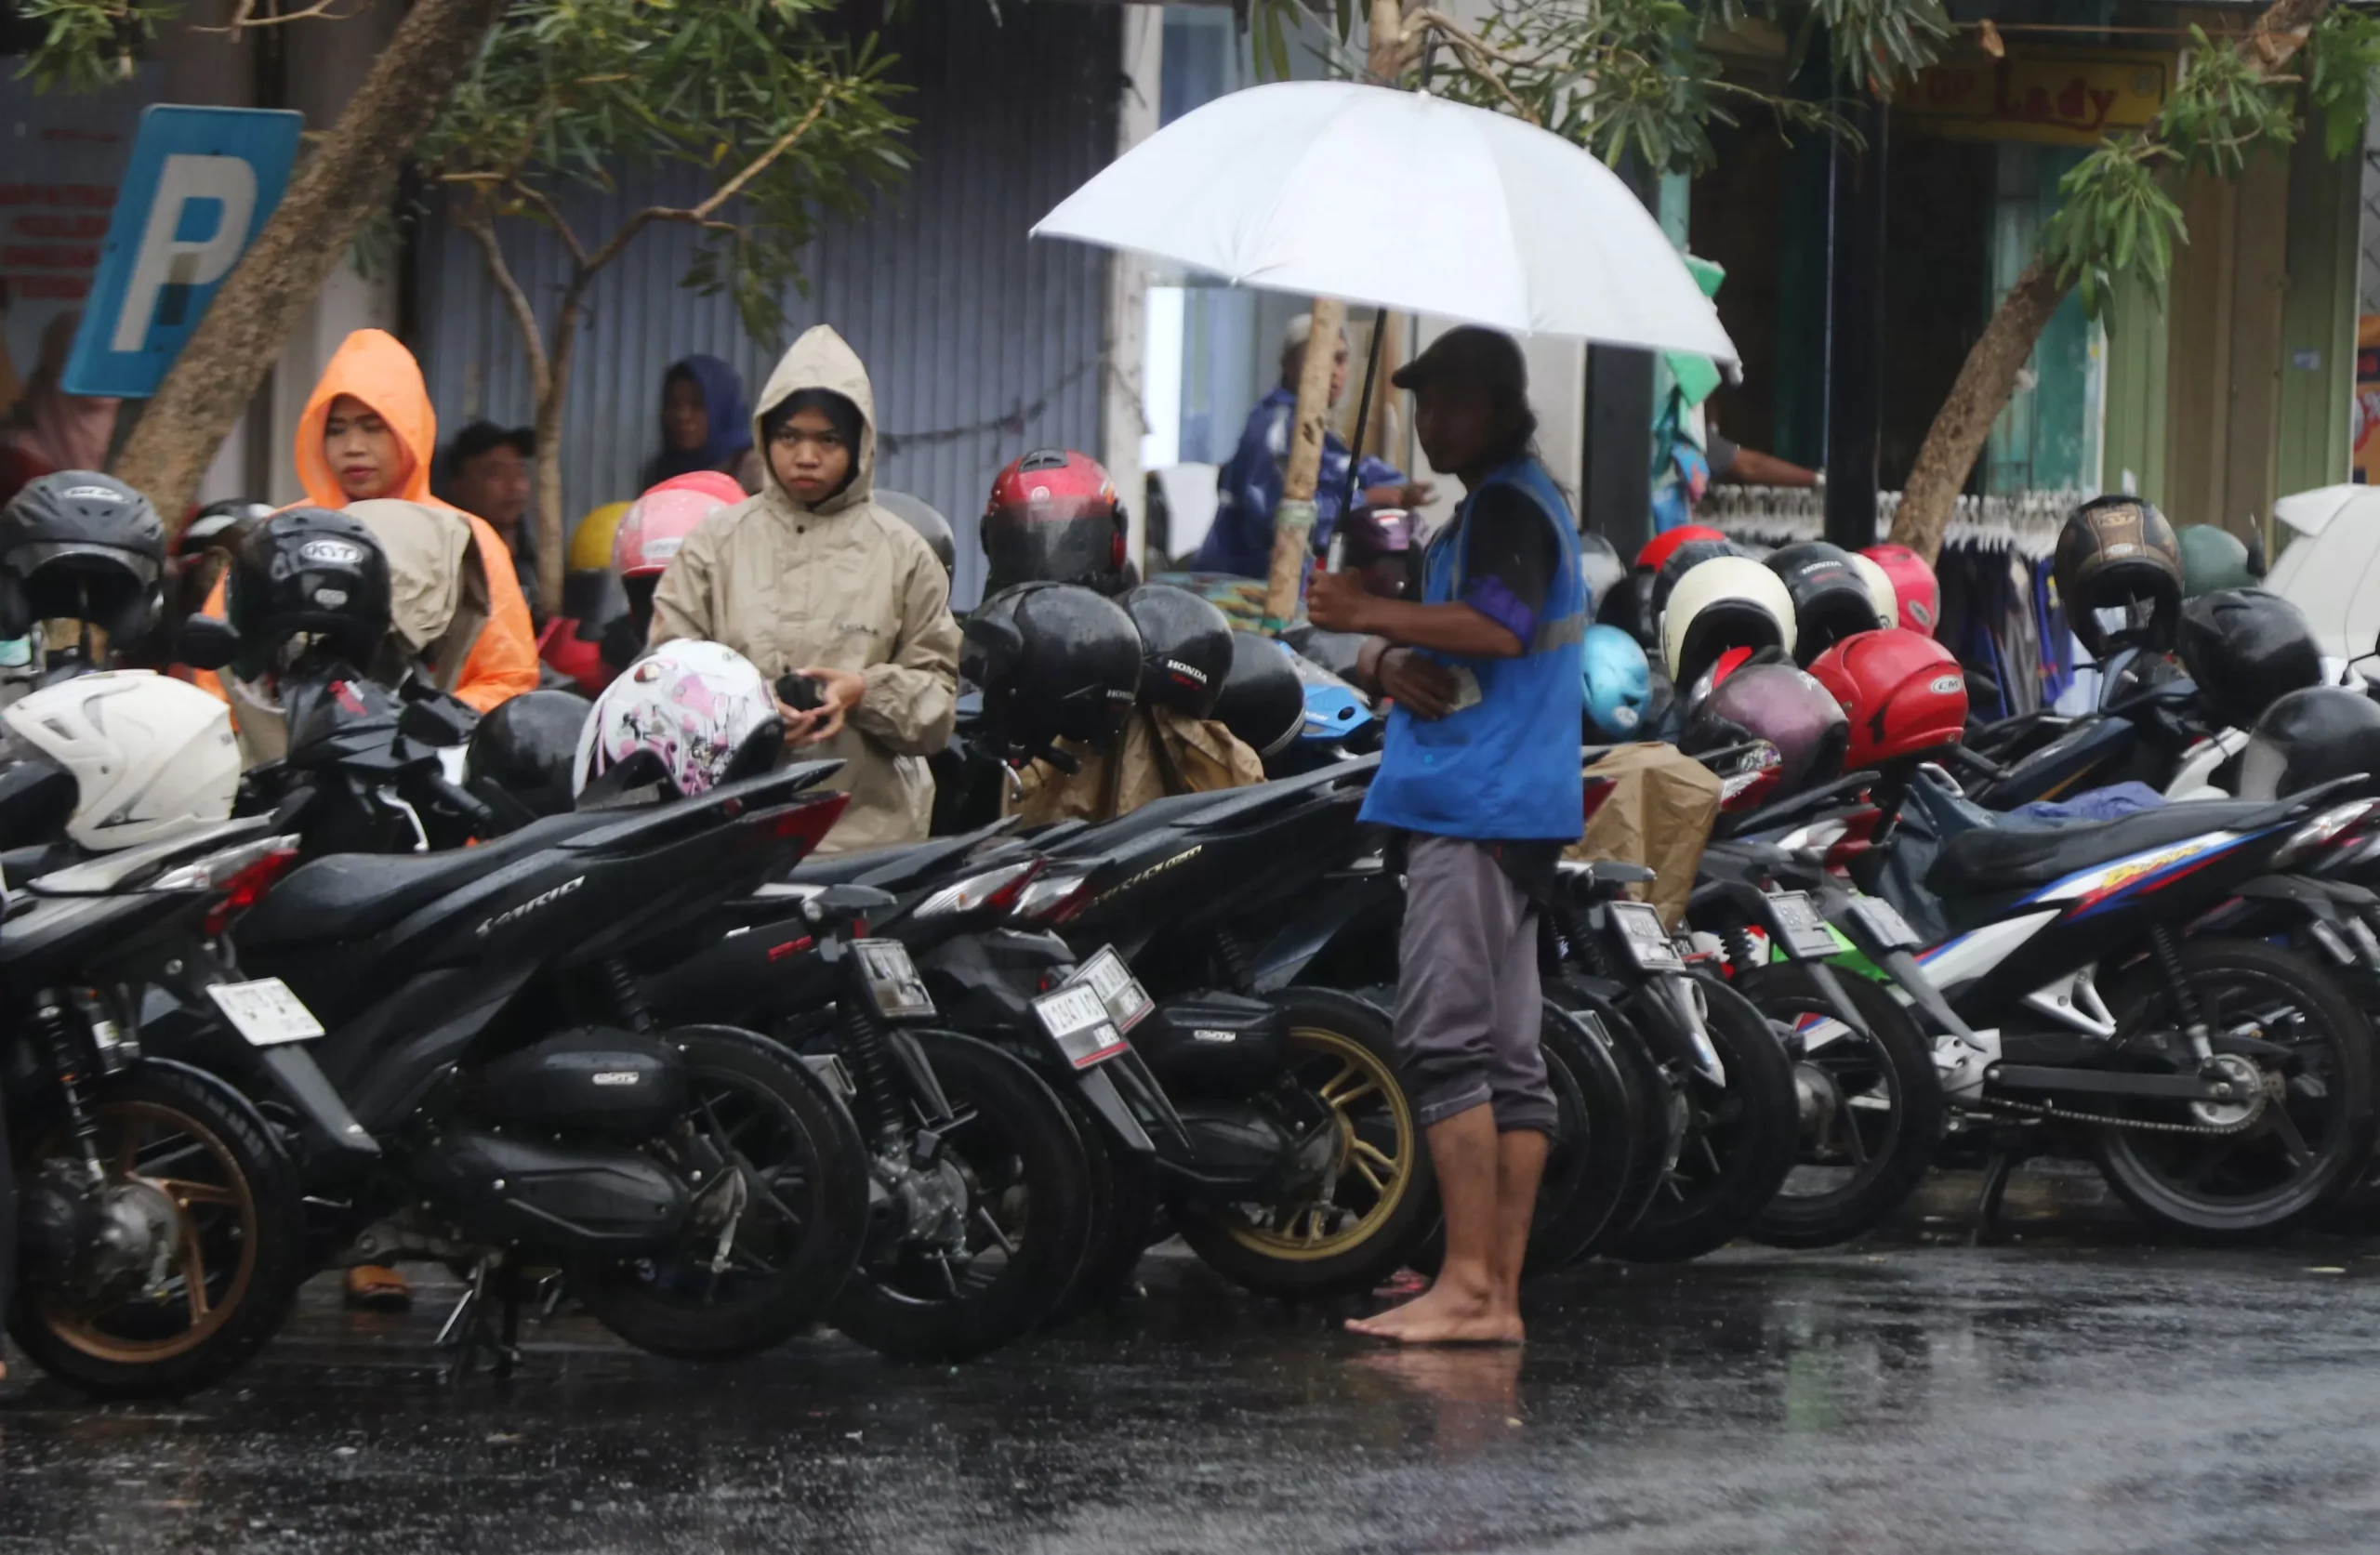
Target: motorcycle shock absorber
[
  {"x": 1231, "y": 957},
  {"x": 629, "y": 998},
  {"x": 66, "y": 1058},
  {"x": 2169, "y": 961},
  {"x": 1743, "y": 955},
  {"x": 862, "y": 1045}
]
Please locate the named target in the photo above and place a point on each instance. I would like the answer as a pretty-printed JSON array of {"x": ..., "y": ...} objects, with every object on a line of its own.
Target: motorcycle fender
[
  {"x": 1100, "y": 1094},
  {"x": 919, "y": 1074},
  {"x": 1672, "y": 1016},
  {"x": 2293, "y": 892},
  {"x": 301, "y": 1083}
]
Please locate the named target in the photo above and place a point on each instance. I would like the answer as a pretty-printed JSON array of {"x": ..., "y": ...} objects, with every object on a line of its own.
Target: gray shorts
[{"x": 1467, "y": 1006}]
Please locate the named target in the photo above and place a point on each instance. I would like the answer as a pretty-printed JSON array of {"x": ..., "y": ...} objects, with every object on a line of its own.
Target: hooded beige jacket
[{"x": 844, "y": 584}]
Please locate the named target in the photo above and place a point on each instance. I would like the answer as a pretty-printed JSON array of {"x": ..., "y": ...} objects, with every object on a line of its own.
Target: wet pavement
[{"x": 2082, "y": 1391}]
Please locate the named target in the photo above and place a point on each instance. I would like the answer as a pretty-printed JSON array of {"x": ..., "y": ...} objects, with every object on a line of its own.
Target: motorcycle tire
[
  {"x": 770, "y": 1103},
  {"x": 1890, "y": 1142},
  {"x": 1740, "y": 1143},
  {"x": 242, "y": 1217},
  {"x": 1651, "y": 1121},
  {"x": 2249, "y": 1186},
  {"x": 1124, "y": 1211},
  {"x": 1586, "y": 1161},
  {"x": 1018, "y": 1153},
  {"x": 1344, "y": 1051}
]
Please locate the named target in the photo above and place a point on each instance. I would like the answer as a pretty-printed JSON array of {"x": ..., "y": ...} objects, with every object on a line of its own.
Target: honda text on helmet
[
  {"x": 1185, "y": 647},
  {"x": 1053, "y": 518}
]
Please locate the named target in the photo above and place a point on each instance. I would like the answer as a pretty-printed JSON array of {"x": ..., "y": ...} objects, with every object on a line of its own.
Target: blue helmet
[{"x": 1619, "y": 684}]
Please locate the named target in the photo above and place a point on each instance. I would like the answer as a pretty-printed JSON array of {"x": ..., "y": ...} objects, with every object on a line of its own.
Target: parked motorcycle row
[{"x": 559, "y": 996}]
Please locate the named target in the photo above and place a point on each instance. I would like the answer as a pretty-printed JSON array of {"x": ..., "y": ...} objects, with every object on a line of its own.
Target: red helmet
[
  {"x": 1913, "y": 586},
  {"x": 714, "y": 482},
  {"x": 658, "y": 523},
  {"x": 1650, "y": 559},
  {"x": 1053, "y": 518},
  {"x": 1657, "y": 549},
  {"x": 1903, "y": 692}
]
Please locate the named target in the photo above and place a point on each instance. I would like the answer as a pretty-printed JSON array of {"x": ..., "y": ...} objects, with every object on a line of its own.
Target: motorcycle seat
[
  {"x": 1993, "y": 859},
  {"x": 349, "y": 896}
]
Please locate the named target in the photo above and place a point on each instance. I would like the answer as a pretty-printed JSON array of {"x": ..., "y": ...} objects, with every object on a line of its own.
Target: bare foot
[{"x": 1444, "y": 1314}]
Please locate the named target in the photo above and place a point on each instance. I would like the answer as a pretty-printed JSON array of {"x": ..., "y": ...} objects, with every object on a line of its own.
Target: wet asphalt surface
[{"x": 2079, "y": 1389}]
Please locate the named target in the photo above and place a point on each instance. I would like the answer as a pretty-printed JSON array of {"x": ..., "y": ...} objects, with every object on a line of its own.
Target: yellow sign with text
[{"x": 2074, "y": 98}]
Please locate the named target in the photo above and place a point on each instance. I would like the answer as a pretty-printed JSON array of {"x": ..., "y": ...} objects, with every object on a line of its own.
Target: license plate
[
  {"x": 1647, "y": 943},
  {"x": 892, "y": 979},
  {"x": 1079, "y": 1023},
  {"x": 1807, "y": 935},
  {"x": 265, "y": 1011},
  {"x": 1883, "y": 923},
  {"x": 1128, "y": 1003}
]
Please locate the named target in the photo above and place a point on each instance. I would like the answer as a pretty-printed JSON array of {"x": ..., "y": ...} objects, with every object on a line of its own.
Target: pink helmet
[
  {"x": 716, "y": 483},
  {"x": 1914, "y": 589},
  {"x": 657, "y": 523},
  {"x": 699, "y": 711}
]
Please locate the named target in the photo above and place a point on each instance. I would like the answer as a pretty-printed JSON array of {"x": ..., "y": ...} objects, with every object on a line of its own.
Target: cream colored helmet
[
  {"x": 1729, "y": 602},
  {"x": 151, "y": 756},
  {"x": 1879, "y": 587}
]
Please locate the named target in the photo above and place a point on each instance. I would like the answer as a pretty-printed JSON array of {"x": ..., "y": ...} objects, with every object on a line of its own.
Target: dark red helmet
[
  {"x": 1053, "y": 518},
  {"x": 1375, "y": 533},
  {"x": 1904, "y": 693}
]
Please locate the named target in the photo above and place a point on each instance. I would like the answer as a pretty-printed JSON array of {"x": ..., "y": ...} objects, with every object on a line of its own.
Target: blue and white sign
[{"x": 201, "y": 184}]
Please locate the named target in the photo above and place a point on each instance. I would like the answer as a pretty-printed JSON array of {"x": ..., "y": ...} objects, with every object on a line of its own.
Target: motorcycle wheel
[
  {"x": 1739, "y": 1141},
  {"x": 798, "y": 1236},
  {"x": 1028, "y": 1221},
  {"x": 234, "y": 1195},
  {"x": 2317, "y": 1114},
  {"x": 1586, "y": 1161},
  {"x": 1650, "y": 1123},
  {"x": 1874, "y": 1114},
  {"x": 1124, "y": 1210},
  {"x": 1383, "y": 1197}
]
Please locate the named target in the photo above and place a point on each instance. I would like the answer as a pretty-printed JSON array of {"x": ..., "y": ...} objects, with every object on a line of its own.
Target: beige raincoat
[
  {"x": 844, "y": 584},
  {"x": 1161, "y": 753}
]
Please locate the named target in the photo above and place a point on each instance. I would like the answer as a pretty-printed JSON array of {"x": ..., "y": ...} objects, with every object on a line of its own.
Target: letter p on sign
[{"x": 201, "y": 183}]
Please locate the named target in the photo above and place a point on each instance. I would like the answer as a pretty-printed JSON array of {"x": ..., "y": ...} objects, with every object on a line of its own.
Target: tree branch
[
  {"x": 482, "y": 227},
  {"x": 546, "y": 204}
]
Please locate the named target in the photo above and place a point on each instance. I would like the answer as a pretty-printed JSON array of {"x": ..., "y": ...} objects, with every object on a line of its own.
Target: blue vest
[{"x": 1505, "y": 769}]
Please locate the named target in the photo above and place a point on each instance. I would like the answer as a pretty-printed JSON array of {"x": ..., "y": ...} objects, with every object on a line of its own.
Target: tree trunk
[
  {"x": 551, "y": 554},
  {"x": 351, "y": 174},
  {"x": 1293, "y": 518},
  {"x": 1384, "y": 59},
  {"x": 1989, "y": 376}
]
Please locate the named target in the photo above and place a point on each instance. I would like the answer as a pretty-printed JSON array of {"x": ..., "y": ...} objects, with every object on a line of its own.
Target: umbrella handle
[{"x": 1363, "y": 415}]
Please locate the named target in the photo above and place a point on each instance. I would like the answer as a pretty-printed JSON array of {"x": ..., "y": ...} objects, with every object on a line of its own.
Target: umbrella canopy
[{"x": 1399, "y": 199}]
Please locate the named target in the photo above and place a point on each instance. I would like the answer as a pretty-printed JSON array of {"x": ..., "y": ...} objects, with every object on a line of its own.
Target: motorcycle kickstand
[
  {"x": 1988, "y": 1232},
  {"x": 470, "y": 1328}
]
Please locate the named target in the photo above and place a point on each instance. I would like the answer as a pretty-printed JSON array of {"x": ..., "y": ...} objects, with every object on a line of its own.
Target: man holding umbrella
[{"x": 1480, "y": 775}]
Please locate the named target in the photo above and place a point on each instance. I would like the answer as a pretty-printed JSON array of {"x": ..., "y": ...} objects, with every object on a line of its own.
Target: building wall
[
  {"x": 2318, "y": 320},
  {"x": 981, "y": 343}
]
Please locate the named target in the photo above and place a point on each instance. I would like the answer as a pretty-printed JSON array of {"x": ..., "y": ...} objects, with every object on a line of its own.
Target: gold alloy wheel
[
  {"x": 168, "y": 1139},
  {"x": 1361, "y": 1085}
]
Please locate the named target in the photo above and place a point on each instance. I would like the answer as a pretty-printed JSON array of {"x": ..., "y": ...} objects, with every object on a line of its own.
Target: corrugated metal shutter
[{"x": 980, "y": 344}]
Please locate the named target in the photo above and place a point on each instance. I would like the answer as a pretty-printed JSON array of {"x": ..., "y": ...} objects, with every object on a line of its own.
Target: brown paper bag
[
  {"x": 1658, "y": 809},
  {"x": 1160, "y": 753}
]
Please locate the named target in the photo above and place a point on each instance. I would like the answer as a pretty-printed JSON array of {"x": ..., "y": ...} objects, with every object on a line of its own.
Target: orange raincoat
[{"x": 371, "y": 365}]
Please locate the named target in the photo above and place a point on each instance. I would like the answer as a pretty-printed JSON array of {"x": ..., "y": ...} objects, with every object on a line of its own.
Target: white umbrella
[{"x": 1400, "y": 200}]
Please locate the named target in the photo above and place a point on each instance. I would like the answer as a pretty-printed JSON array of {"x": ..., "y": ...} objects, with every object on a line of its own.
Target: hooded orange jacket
[{"x": 371, "y": 365}]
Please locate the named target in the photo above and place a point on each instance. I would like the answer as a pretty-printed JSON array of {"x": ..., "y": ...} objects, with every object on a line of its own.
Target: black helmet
[
  {"x": 932, "y": 527},
  {"x": 2244, "y": 648},
  {"x": 1263, "y": 701},
  {"x": 2308, "y": 737},
  {"x": 527, "y": 747},
  {"x": 310, "y": 569},
  {"x": 79, "y": 545},
  {"x": 1600, "y": 569},
  {"x": 1796, "y": 727},
  {"x": 1684, "y": 560},
  {"x": 221, "y": 525},
  {"x": 1056, "y": 661},
  {"x": 2118, "y": 573},
  {"x": 1831, "y": 600},
  {"x": 1185, "y": 647}
]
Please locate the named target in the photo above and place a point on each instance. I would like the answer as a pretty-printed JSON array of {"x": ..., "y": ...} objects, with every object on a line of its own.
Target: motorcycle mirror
[{"x": 205, "y": 642}]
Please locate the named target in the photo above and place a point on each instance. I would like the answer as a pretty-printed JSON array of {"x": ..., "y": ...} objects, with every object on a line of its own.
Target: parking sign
[{"x": 200, "y": 185}]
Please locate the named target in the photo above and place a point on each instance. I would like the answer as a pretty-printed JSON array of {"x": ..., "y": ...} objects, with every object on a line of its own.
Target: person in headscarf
[
  {"x": 52, "y": 430},
  {"x": 705, "y": 424}
]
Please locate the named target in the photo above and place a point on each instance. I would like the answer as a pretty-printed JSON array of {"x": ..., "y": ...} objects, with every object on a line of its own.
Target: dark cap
[
  {"x": 481, "y": 436},
  {"x": 1485, "y": 358}
]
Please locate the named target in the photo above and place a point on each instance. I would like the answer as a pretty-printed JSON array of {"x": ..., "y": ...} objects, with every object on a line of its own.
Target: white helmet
[
  {"x": 151, "y": 756},
  {"x": 695, "y": 704},
  {"x": 1880, "y": 588},
  {"x": 1729, "y": 602}
]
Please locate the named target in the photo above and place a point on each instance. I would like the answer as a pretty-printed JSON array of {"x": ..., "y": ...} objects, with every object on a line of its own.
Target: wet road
[{"x": 2089, "y": 1395}]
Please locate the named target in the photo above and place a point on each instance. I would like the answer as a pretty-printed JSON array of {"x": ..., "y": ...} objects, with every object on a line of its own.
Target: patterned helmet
[{"x": 695, "y": 714}]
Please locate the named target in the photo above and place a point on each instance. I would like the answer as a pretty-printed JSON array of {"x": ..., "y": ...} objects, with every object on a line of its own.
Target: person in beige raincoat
[{"x": 813, "y": 575}]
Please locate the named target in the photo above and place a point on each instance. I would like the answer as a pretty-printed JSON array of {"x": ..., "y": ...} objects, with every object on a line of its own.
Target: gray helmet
[{"x": 932, "y": 527}]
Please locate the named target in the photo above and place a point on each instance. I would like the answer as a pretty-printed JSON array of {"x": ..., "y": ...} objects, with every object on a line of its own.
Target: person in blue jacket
[
  {"x": 1248, "y": 489},
  {"x": 1479, "y": 775}
]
